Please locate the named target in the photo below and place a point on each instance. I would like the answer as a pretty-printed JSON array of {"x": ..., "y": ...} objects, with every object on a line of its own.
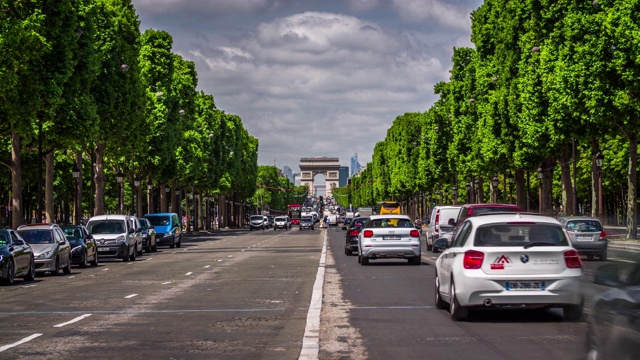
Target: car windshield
[
  {"x": 143, "y": 224},
  {"x": 520, "y": 235},
  {"x": 391, "y": 222},
  {"x": 306, "y": 218},
  {"x": 159, "y": 220},
  {"x": 584, "y": 226},
  {"x": 72, "y": 232},
  {"x": 281, "y": 219},
  {"x": 106, "y": 227},
  {"x": 4, "y": 238},
  {"x": 43, "y": 236},
  {"x": 257, "y": 218}
]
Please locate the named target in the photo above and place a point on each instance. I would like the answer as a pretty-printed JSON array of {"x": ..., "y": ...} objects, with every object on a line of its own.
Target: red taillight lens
[
  {"x": 354, "y": 233},
  {"x": 473, "y": 259},
  {"x": 603, "y": 236},
  {"x": 572, "y": 259},
  {"x": 415, "y": 233},
  {"x": 368, "y": 233},
  {"x": 436, "y": 228}
]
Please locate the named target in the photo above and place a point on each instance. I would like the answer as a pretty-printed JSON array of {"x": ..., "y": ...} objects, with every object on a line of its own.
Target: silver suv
[
  {"x": 439, "y": 224},
  {"x": 117, "y": 236}
]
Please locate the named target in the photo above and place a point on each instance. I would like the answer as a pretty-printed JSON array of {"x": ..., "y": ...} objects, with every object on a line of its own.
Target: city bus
[
  {"x": 294, "y": 213},
  {"x": 388, "y": 207}
]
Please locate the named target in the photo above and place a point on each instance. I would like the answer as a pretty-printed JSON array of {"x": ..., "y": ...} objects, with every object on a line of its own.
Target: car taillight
[
  {"x": 368, "y": 233},
  {"x": 436, "y": 228},
  {"x": 415, "y": 233},
  {"x": 473, "y": 259},
  {"x": 572, "y": 259},
  {"x": 603, "y": 236},
  {"x": 354, "y": 233}
]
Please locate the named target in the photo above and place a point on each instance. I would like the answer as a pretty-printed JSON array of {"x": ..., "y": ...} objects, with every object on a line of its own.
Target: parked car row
[{"x": 49, "y": 248}]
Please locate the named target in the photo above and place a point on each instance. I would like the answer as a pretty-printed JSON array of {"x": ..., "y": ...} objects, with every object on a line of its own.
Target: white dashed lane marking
[
  {"x": 72, "y": 321},
  {"x": 27, "y": 339},
  {"x": 189, "y": 273},
  {"x": 130, "y": 296}
]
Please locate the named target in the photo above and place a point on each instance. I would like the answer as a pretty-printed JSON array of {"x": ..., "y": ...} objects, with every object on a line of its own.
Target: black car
[
  {"x": 83, "y": 245},
  {"x": 16, "y": 258},
  {"x": 148, "y": 233},
  {"x": 353, "y": 230},
  {"x": 306, "y": 222},
  {"x": 614, "y": 325}
]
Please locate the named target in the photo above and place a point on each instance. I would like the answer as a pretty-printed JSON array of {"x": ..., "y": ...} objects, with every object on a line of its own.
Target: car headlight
[
  {"x": 77, "y": 249},
  {"x": 120, "y": 239},
  {"x": 46, "y": 254},
  {"x": 145, "y": 235}
]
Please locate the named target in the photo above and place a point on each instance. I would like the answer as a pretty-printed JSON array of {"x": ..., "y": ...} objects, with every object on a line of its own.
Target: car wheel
[
  {"x": 67, "y": 269},
  {"x": 458, "y": 313},
  {"x": 31, "y": 275},
  {"x": 429, "y": 247},
  {"x": 173, "y": 244},
  {"x": 83, "y": 262},
  {"x": 347, "y": 252},
  {"x": 57, "y": 267},
  {"x": 11, "y": 274},
  {"x": 94, "y": 262},
  {"x": 312, "y": 228},
  {"x": 573, "y": 312},
  {"x": 155, "y": 247},
  {"x": 440, "y": 304},
  {"x": 179, "y": 243},
  {"x": 132, "y": 257},
  {"x": 603, "y": 257},
  {"x": 415, "y": 260},
  {"x": 141, "y": 251},
  {"x": 359, "y": 258},
  {"x": 364, "y": 260}
]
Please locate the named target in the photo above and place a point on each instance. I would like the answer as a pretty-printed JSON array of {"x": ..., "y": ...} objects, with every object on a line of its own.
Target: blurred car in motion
[
  {"x": 509, "y": 260},
  {"x": 257, "y": 222},
  {"x": 148, "y": 235},
  {"x": 83, "y": 245},
  {"x": 614, "y": 323},
  {"x": 280, "y": 222},
  {"x": 587, "y": 236},
  {"x": 389, "y": 236},
  {"x": 439, "y": 224},
  {"x": 50, "y": 247},
  {"x": 353, "y": 231},
  {"x": 16, "y": 258},
  {"x": 306, "y": 222}
]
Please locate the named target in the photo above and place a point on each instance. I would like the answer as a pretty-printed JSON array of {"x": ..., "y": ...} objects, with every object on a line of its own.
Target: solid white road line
[
  {"x": 27, "y": 339},
  {"x": 311, "y": 340},
  {"x": 72, "y": 321},
  {"x": 130, "y": 296}
]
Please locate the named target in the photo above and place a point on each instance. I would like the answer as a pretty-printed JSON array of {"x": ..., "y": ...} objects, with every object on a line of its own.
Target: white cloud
[{"x": 442, "y": 12}]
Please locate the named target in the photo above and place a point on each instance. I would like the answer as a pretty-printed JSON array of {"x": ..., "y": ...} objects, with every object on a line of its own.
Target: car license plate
[
  {"x": 391, "y": 237},
  {"x": 104, "y": 249},
  {"x": 524, "y": 285},
  {"x": 584, "y": 237}
]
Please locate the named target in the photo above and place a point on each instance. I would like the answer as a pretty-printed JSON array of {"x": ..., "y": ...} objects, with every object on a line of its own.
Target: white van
[
  {"x": 118, "y": 236},
  {"x": 439, "y": 224}
]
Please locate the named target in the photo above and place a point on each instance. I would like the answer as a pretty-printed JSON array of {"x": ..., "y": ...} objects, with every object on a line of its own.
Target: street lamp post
[
  {"x": 136, "y": 184},
  {"x": 494, "y": 185},
  {"x": 76, "y": 199},
  {"x": 599, "y": 161},
  {"x": 540, "y": 174},
  {"x": 119, "y": 179},
  {"x": 178, "y": 204},
  {"x": 468, "y": 188},
  {"x": 167, "y": 191},
  {"x": 510, "y": 180},
  {"x": 150, "y": 197},
  {"x": 476, "y": 187},
  {"x": 454, "y": 191}
]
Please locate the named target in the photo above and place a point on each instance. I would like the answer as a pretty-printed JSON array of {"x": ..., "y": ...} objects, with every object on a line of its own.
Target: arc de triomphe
[{"x": 327, "y": 166}]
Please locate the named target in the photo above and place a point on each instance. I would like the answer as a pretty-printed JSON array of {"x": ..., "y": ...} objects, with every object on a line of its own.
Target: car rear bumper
[
  {"x": 590, "y": 247},
  {"x": 114, "y": 250},
  {"x": 400, "y": 252}
]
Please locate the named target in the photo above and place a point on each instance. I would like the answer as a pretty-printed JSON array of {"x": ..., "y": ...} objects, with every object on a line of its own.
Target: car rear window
[
  {"x": 519, "y": 235},
  {"x": 391, "y": 222},
  {"x": 466, "y": 213},
  {"x": 257, "y": 218},
  {"x": 584, "y": 226},
  {"x": 446, "y": 214},
  {"x": 281, "y": 219}
]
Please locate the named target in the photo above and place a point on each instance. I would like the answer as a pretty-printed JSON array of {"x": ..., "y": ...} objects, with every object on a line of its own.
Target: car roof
[
  {"x": 109, "y": 217},
  {"x": 37, "y": 226},
  {"x": 474, "y": 206},
  {"x": 389, "y": 216},
  {"x": 160, "y": 214},
  {"x": 447, "y": 207},
  {"x": 570, "y": 218},
  {"x": 512, "y": 217}
]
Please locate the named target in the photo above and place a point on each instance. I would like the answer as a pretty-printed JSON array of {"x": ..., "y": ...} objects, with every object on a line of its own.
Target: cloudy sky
[{"x": 315, "y": 77}]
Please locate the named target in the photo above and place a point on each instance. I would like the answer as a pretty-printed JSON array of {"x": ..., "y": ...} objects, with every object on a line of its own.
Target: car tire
[
  {"x": 132, "y": 257},
  {"x": 312, "y": 228},
  {"x": 31, "y": 275},
  {"x": 83, "y": 262},
  {"x": 347, "y": 252},
  {"x": 573, "y": 312},
  {"x": 440, "y": 304},
  {"x": 173, "y": 244},
  {"x": 458, "y": 313},
  {"x": 364, "y": 260},
  {"x": 11, "y": 274},
  {"x": 603, "y": 257},
  {"x": 56, "y": 272},
  {"x": 141, "y": 251},
  {"x": 155, "y": 247},
  {"x": 94, "y": 262},
  {"x": 67, "y": 269},
  {"x": 415, "y": 260},
  {"x": 127, "y": 256},
  {"x": 429, "y": 247},
  {"x": 179, "y": 243}
]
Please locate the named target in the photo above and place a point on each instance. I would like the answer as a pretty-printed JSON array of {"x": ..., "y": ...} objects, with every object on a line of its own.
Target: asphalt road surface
[{"x": 248, "y": 295}]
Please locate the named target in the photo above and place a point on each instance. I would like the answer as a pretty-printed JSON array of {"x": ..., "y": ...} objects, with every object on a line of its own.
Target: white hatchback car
[
  {"x": 389, "y": 236},
  {"x": 509, "y": 260}
]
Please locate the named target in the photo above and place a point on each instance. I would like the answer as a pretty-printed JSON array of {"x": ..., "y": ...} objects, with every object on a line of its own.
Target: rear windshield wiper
[{"x": 540, "y": 243}]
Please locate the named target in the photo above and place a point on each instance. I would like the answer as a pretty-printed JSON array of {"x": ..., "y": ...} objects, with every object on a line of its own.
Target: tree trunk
[
  {"x": 188, "y": 214},
  {"x": 48, "y": 187},
  {"x": 632, "y": 206},
  {"x": 17, "y": 216},
  {"x": 77, "y": 208},
  {"x": 567, "y": 185},
  {"x": 595, "y": 206},
  {"x": 547, "y": 186},
  {"x": 521, "y": 189},
  {"x": 99, "y": 179},
  {"x": 163, "y": 198}
]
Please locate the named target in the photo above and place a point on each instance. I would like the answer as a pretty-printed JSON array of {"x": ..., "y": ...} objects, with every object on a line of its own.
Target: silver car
[
  {"x": 116, "y": 236},
  {"x": 587, "y": 236},
  {"x": 439, "y": 224},
  {"x": 389, "y": 236},
  {"x": 50, "y": 247}
]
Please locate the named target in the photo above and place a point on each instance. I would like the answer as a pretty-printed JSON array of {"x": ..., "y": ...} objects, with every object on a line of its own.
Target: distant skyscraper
[
  {"x": 288, "y": 173},
  {"x": 344, "y": 175},
  {"x": 355, "y": 165}
]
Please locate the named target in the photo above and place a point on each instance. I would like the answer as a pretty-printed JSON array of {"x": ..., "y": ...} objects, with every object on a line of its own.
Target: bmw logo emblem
[{"x": 524, "y": 258}]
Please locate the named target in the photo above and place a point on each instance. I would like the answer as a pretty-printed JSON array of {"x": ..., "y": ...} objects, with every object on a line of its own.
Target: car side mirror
[
  {"x": 451, "y": 222},
  {"x": 441, "y": 244},
  {"x": 61, "y": 242}
]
